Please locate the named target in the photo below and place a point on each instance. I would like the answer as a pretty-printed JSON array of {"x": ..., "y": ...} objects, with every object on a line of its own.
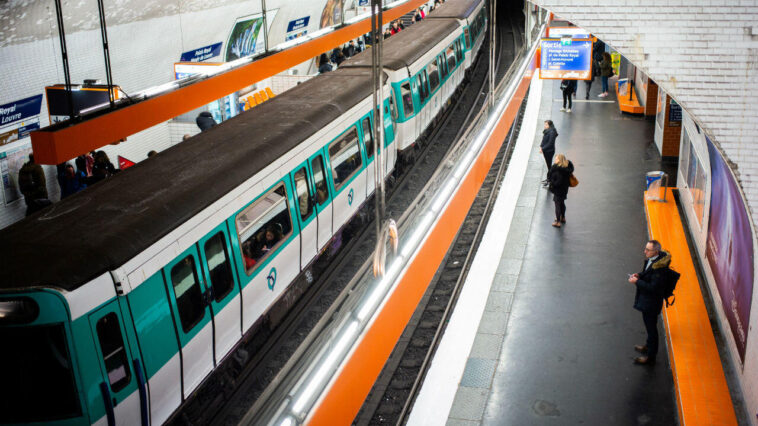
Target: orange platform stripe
[
  {"x": 56, "y": 144},
  {"x": 354, "y": 381},
  {"x": 702, "y": 394}
]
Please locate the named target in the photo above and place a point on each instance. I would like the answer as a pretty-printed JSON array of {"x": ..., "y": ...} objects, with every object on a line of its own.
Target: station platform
[{"x": 544, "y": 329}]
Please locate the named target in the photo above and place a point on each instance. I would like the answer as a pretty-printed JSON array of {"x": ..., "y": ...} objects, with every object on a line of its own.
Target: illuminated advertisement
[
  {"x": 566, "y": 59},
  {"x": 247, "y": 36},
  {"x": 730, "y": 248}
]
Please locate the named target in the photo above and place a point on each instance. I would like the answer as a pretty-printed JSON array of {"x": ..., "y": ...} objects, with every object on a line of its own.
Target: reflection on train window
[
  {"x": 468, "y": 37},
  {"x": 405, "y": 93},
  {"x": 423, "y": 90},
  {"x": 450, "y": 53},
  {"x": 37, "y": 374},
  {"x": 368, "y": 138},
  {"x": 393, "y": 110},
  {"x": 458, "y": 51},
  {"x": 189, "y": 296},
  {"x": 219, "y": 267},
  {"x": 263, "y": 227},
  {"x": 345, "y": 156},
  {"x": 443, "y": 69},
  {"x": 434, "y": 76},
  {"x": 322, "y": 191},
  {"x": 114, "y": 353},
  {"x": 302, "y": 189}
]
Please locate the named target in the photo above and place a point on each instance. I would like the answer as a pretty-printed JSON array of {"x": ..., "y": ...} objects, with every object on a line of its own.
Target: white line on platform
[
  {"x": 586, "y": 100},
  {"x": 432, "y": 406}
]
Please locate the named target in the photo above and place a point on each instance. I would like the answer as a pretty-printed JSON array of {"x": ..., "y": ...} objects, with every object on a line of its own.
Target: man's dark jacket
[
  {"x": 650, "y": 285},
  {"x": 548, "y": 139}
]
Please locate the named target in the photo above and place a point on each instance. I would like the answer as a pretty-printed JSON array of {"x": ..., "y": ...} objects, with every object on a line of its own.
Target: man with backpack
[
  {"x": 32, "y": 183},
  {"x": 655, "y": 283}
]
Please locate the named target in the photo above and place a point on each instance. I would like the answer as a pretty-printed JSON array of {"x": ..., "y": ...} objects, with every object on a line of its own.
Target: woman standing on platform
[
  {"x": 606, "y": 71},
  {"x": 547, "y": 146},
  {"x": 569, "y": 88},
  {"x": 559, "y": 176}
]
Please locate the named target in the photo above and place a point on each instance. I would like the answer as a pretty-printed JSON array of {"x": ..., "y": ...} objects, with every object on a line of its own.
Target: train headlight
[{"x": 21, "y": 310}]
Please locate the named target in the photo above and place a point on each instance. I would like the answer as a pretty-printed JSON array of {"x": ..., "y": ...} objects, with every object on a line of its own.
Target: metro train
[{"x": 119, "y": 301}]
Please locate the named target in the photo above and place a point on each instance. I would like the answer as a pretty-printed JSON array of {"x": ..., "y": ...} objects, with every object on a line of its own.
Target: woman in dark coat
[
  {"x": 558, "y": 176},
  {"x": 547, "y": 146},
  {"x": 569, "y": 88},
  {"x": 606, "y": 71}
]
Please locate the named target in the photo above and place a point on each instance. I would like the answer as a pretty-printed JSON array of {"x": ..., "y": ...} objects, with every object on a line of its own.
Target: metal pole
[
  {"x": 493, "y": 4},
  {"x": 265, "y": 26},
  {"x": 106, "y": 52},
  {"x": 64, "y": 57},
  {"x": 377, "y": 97}
]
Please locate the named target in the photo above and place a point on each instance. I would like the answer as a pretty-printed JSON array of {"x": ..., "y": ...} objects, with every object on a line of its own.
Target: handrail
[
  {"x": 302, "y": 392},
  {"x": 63, "y": 141}
]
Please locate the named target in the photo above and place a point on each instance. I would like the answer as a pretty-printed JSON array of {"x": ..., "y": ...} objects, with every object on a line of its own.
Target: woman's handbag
[{"x": 573, "y": 181}]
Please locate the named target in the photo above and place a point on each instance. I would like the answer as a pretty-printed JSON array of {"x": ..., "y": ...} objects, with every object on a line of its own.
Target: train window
[
  {"x": 458, "y": 51},
  {"x": 189, "y": 296},
  {"x": 263, "y": 227},
  {"x": 38, "y": 376},
  {"x": 303, "y": 193},
  {"x": 443, "y": 69},
  {"x": 450, "y": 53},
  {"x": 368, "y": 138},
  {"x": 322, "y": 191},
  {"x": 393, "y": 109},
  {"x": 219, "y": 267},
  {"x": 434, "y": 76},
  {"x": 467, "y": 34},
  {"x": 423, "y": 90},
  {"x": 405, "y": 93},
  {"x": 345, "y": 156},
  {"x": 114, "y": 353}
]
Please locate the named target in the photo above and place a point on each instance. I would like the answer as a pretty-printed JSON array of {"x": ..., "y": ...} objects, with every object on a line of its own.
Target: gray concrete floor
[{"x": 555, "y": 344}]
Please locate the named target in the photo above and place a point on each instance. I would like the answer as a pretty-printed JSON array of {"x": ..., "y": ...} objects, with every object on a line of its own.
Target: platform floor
[{"x": 555, "y": 341}]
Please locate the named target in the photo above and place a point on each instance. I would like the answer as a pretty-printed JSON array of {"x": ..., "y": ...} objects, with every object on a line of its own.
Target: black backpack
[{"x": 670, "y": 278}]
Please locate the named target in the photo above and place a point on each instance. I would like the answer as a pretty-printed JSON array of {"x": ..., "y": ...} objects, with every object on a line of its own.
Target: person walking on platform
[
  {"x": 606, "y": 71},
  {"x": 559, "y": 177},
  {"x": 649, "y": 297},
  {"x": 547, "y": 146},
  {"x": 568, "y": 87}
]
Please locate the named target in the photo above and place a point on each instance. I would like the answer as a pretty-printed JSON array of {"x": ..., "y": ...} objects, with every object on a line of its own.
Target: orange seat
[
  {"x": 258, "y": 99},
  {"x": 270, "y": 93}
]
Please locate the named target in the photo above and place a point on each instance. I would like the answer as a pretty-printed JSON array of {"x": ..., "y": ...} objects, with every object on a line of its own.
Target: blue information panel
[
  {"x": 202, "y": 54},
  {"x": 297, "y": 24},
  {"x": 566, "y": 59}
]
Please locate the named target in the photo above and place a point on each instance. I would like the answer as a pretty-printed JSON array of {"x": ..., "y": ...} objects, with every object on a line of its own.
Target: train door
[
  {"x": 323, "y": 204},
  {"x": 306, "y": 213},
  {"x": 368, "y": 143},
  {"x": 349, "y": 183},
  {"x": 122, "y": 387},
  {"x": 215, "y": 257},
  {"x": 189, "y": 302}
]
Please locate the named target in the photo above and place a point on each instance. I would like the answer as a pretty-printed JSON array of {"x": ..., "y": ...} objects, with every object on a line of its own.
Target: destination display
[{"x": 566, "y": 58}]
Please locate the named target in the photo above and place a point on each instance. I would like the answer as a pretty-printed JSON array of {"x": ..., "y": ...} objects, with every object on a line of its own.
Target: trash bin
[{"x": 655, "y": 186}]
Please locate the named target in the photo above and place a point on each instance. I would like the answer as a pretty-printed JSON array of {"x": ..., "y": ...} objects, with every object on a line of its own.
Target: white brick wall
[{"x": 702, "y": 54}]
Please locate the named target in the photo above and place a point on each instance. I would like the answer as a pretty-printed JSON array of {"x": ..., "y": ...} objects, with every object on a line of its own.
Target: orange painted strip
[
  {"x": 56, "y": 144},
  {"x": 702, "y": 393},
  {"x": 357, "y": 376}
]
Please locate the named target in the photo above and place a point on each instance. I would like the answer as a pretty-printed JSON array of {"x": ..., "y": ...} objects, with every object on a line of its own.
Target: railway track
[{"x": 243, "y": 379}]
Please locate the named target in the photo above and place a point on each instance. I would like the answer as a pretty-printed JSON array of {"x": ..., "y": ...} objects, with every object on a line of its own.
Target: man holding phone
[{"x": 649, "y": 297}]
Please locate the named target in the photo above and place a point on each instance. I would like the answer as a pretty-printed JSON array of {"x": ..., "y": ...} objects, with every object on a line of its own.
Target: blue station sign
[
  {"x": 298, "y": 24},
  {"x": 202, "y": 54},
  {"x": 566, "y": 59},
  {"x": 20, "y": 110}
]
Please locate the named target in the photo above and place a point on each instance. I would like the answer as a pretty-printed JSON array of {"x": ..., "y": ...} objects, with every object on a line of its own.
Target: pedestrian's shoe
[
  {"x": 644, "y": 360},
  {"x": 557, "y": 224},
  {"x": 587, "y": 97},
  {"x": 641, "y": 348},
  {"x": 563, "y": 109},
  {"x": 568, "y": 110},
  {"x": 563, "y": 219}
]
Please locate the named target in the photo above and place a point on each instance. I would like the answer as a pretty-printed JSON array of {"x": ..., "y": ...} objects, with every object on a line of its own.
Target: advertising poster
[
  {"x": 566, "y": 58},
  {"x": 332, "y": 13},
  {"x": 10, "y": 163},
  {"x": 247, "y": 36},
  {"x": 730, "y": 248}
]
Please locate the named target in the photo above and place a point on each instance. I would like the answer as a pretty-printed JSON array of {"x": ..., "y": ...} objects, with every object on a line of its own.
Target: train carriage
[
  {"x": 127, "y": 295},
  {"x": 472, "y": 17}
]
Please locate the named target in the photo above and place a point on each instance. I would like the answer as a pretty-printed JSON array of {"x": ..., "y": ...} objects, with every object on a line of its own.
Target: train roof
[
  {"x": 408, "y": 46},
  {"x": 101, "y": 228},
  {"x": 459, "y": 9}
]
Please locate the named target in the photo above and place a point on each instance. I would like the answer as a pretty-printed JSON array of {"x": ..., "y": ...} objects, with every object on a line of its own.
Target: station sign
[
  {"x": 18, "y": 118},
  {"x": 566, "y": 58},
  {"x": 573, "y": 32},
  {"x": 202, "y": 54},
  {"x": 297, "y": 28}
]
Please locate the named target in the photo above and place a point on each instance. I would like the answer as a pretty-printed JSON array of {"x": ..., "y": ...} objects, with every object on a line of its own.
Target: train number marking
[
  {"x": 271, "y": 279},
  {"x": 350, "y": 197}
]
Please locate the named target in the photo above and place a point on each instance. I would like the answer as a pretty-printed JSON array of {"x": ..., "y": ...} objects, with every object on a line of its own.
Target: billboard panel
[
  {"x": 730, "y": 248},
  {"x": 566, "y": 59}
]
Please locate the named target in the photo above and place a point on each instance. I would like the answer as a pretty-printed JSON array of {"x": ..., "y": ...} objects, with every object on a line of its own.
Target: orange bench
[
  {"x": 702, "y": 394},
  {"x": 632, "y": 105}
]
